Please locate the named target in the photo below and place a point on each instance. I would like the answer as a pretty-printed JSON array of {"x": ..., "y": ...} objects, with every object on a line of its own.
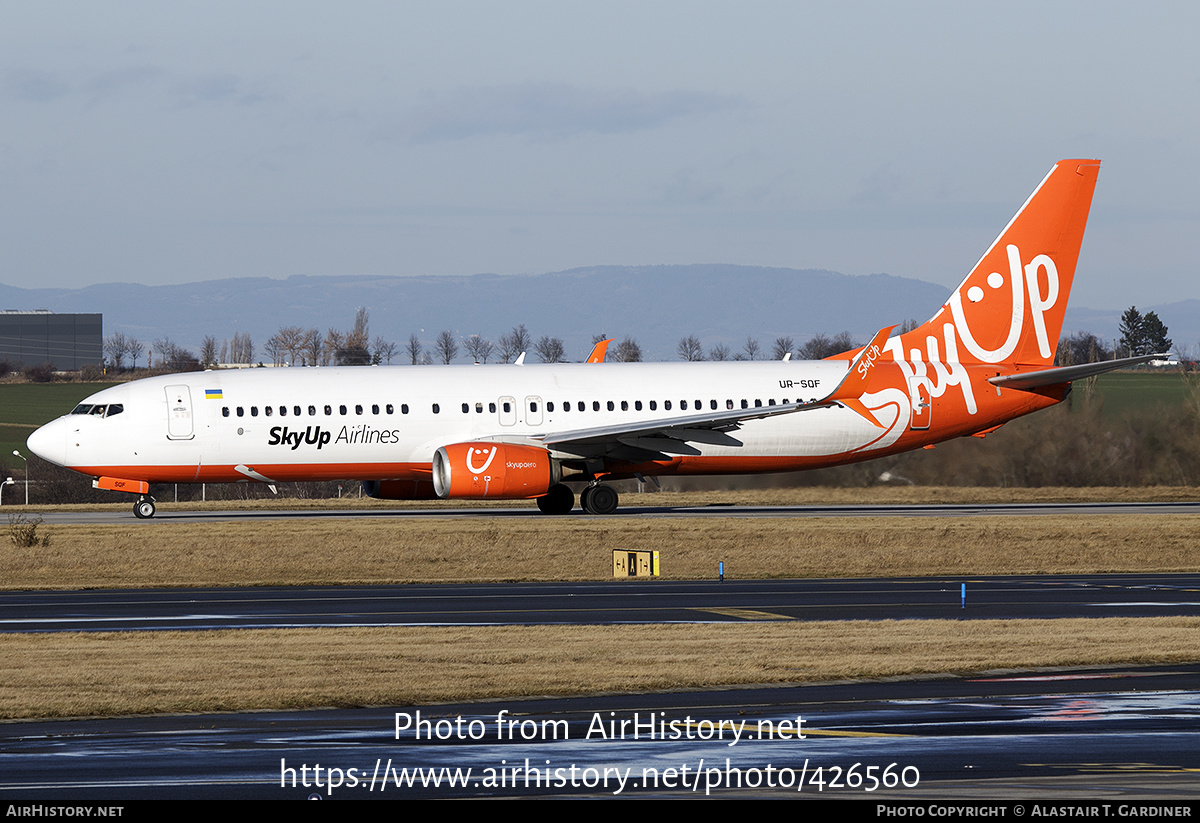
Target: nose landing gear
[{"x": 144, "y": 507}]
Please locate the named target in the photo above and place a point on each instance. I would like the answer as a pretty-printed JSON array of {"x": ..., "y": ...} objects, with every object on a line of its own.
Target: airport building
[{"x": 69, "y": 341}]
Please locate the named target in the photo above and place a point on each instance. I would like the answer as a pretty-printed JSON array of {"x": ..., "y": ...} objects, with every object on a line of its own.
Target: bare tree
[
  {"x": 135, "y": 349},
  {"x": 689, "y": 349},
  {"x": 385, "y": 350},
  {"x": 334, "y": 342},
  {"x": 241, "y": 350},
  {"x": 719, "y": 352},
  {"x": 115, "y": 349},
  {"x": 512, "y": 344},
  {"x": 549, "y": 349},
  {"x": 783, "y": 346},
  {"x": 173, "y": 357},
  {"x": 446, "y": 347},
  {"x": 818, "y": 347},
  {"x": 479, "y": 348},
  {"x": 359, "y": 337},
  {"x": 208, "y": 351},
  {"x": 628, "y": 351},
  {"x": 414, "y": 349},
  {"x": 313, "y": 347},
  {"x": 752, "y": 350}
]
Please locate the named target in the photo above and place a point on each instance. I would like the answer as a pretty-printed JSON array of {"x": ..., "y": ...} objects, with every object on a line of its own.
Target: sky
[{"x": 175, "y": 142}]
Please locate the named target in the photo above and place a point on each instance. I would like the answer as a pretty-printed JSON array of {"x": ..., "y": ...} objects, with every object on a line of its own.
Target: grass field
[
  {"x": 65, "y": 675},
  {"x": 1122, "y": 393},
  {"x": 25, "y": 406}
]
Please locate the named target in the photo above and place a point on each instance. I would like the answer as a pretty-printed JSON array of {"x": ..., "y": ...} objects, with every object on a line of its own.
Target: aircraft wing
[
  {"x": 672, "y": 435},
  {"x": 1065, "y": 374},
  {"x": 641, "y": 440}
]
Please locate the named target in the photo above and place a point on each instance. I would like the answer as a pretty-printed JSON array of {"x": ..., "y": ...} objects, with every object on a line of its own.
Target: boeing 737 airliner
[{"x": 527, "y": 431}]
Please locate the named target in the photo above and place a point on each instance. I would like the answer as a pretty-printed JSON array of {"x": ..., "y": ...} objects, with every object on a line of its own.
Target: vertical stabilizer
[{"x": 1010, "y": 307}]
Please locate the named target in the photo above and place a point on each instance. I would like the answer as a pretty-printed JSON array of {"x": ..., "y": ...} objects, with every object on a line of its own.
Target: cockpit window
[{"x": 98, "y": 409}]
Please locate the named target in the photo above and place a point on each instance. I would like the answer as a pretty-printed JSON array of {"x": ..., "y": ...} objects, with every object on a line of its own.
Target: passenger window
[
  {"x": 624, "y": 405},
  {"x": 224, "y": 411},
  {"x": 566, "y": 406},
  {"x": 254, "y": 411},
  {"x": 267, "y": 410},
  {"x": 700, "y": 405},
  {"x": 358, "y": 409},
  {"x": 404, "y": 408},
  {"x": 312, "y": 411},
  {"x": 466, "y": 408},
  {"x": 479, "y": 408},
  {"x": 390, "y": 408},
  {"x": 682, "y": 405},
  {"x": 374, "y": 408},
  {"x": 582, "y": 406},
  {"x": 240, "y": 412},
  {"x": 437, "y": 408},
  {"x": 713, "y": 403},
  {"x": 610, "y": 405},
  {"x": 653, "y": 405},
  {"x": 507, "y": 407},
  {"x": 282, "y": 411},
  {"x": 492, "y": 408},
  {"x": 342, "y": 409},
  {"x": 550, "y": 406},
  {"x": 296, "y": 410},
  {"x": 596, "y": 405},
  {"x": 637, "y": 405},
  {"x": 745, "y": 404},
  {"x": 667, "y": 405},
  {"x": 533, "y": 407},
  {"x": 328, "y": 410}
]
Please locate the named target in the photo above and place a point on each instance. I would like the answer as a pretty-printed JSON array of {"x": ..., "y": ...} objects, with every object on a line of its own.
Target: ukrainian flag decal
[{"x": 213, "y": 394}]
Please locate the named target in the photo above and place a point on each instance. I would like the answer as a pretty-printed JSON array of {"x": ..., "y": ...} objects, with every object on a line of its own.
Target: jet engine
[{"x": 493, "y": 470}]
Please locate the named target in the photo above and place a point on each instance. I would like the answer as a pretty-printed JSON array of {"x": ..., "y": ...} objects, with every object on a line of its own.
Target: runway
[
  {"x": 613, "y": 602},
  {"x": 1084, "y": 737},
  {"x": 166, "y": 515}
]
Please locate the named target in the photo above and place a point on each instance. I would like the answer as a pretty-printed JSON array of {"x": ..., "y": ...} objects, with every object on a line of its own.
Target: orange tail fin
[{"x": 1010, "y": 308}]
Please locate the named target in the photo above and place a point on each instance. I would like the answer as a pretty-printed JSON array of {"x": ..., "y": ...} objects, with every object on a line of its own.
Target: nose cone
[{"x": 50, "y": 442}]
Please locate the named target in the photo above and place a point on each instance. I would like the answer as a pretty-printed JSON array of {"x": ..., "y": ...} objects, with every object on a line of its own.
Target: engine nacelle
[{"x": 493, "y": 470}]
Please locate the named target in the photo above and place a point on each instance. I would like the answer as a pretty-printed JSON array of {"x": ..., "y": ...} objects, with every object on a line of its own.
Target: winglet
[
  {"x": 859, "y": 374},
  {"x": 598, "y": 351}
]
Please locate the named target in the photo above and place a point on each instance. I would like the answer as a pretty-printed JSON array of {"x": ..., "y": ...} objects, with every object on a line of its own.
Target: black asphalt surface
[
  {"x": 638, "y": 601},
  {"x": 1086, "y": 737}
]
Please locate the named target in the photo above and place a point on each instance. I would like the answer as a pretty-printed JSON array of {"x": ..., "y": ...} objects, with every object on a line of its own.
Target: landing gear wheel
[
  {"x": 143, "y": 508},
  {"x": 599, "y": 499},
  {"x": 558, "y": 500}
]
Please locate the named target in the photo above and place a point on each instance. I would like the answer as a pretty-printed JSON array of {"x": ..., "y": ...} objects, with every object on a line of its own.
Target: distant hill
[{"x": 657, "y": 305}]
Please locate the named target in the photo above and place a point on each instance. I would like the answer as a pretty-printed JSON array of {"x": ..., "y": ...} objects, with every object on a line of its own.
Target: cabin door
[{"x": 179, "y": 413}]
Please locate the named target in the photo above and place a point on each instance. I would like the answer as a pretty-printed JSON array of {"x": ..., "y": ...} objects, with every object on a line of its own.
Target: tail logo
[{"x": 1029, "y": 284}]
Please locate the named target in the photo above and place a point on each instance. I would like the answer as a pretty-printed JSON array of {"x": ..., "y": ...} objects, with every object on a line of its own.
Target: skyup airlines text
[{"x": 317, "y": 436}]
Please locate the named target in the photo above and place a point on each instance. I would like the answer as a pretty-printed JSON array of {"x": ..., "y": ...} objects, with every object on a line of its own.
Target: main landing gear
[
  {"x": 144, "y": 507},
  {"x": 558, "y": 500},
  {"x": 594, "y": 499},
  {"x": 599, "y": 499}
]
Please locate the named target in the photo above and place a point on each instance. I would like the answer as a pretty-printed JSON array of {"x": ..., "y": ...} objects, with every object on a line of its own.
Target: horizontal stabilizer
[{"x": 1065, "y": 374}]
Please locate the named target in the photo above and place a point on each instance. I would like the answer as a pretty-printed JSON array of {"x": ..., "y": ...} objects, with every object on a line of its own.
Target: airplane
[{"x": 522, "y": 431}]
